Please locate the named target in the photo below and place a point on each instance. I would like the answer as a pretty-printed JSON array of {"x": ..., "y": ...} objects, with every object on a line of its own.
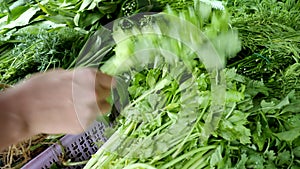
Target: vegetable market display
[
  {"x": 166, "y": 104},
  {"x": 159, "y": 127}
]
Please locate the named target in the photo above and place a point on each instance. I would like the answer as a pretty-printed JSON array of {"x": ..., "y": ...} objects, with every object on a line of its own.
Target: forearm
[
  {"x": 57, "y": 101},
  {"x": 13, "y": 127}
]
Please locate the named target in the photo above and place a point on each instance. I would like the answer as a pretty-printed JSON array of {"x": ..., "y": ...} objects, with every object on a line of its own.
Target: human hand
[{"x": 61, "y": 101}]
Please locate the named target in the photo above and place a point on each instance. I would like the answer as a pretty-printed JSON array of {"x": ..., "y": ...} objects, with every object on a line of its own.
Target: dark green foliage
[{"x": 33, "y": 49}]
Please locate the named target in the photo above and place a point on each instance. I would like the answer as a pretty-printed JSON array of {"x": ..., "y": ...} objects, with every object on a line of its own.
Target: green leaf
[
  {"x": 296, "y": 151},
  {"x": 244, "y": 134},
  {"x": 186, "y": 84},
  {"x": 258, "y": 137},
  {"x": 242, "y": 162},
  {"x": 88, "y": 19},
  {"x": 47, "y": 10},
  {"x": 246, "y": 104},
  {"x": 76, "y": 19},
  {"x": 162, "y": 83},
  {"x": 58, "y": 19},
  {"x": 92, "y": 5},
  {"x": 108, "y": 7},
  {"x": 172, "y": 116},
  {"x": 271, "y": 155},
  {"x": 292, "y": 107},
  {"x": 289, "y": 135},
  {"x": 283, "y": 103},
  {"x": 84, "y": 5},
  {"x": 238, "y": 117},
  {"x": 233, "y": 128},
  {"x": 267, "y": 107},
  {"x": 216, "y": 157},
  {"x": 16, "y": 12},
  {"x": 152, "y": 100},
  {"x": 234, "y": 96},
  {"x": 151, "y": 79},
  {"x": 293, "y": 122},
  {"x": 23, "y": 19},
  {"x": 231, "y": 75},
  {"x": 284, "y": 157},
  {"x": 255, "y": 87},
  {"x": 255, "y": 161}
]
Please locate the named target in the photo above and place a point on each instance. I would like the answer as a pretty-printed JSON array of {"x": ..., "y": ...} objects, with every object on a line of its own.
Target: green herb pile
[
  {"x": 168, "y": 105},
  {"x": 270, "y": 34},
  {"x": 169, "y": 114},
  {"x": 38, "y": 35}
]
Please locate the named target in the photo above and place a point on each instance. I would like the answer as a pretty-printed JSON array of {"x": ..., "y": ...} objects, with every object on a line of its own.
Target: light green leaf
[
  {"x": 234, "y": 96},
  {"x": 23, "y": 19},
  {"x": 186, "y": 84},
  {"x": 76, "y": 19},
  {"x": 255, "y": 87},
  {"x": 233, "y": 128},
  {"x": 152, "y": 100},
  {"x": 289, "y": 135},
  {"x": 47, "y": 10},
  {"x": 150, "y": 80},
  {"x": 284, "y": 158},
  {"x": 161, "y": 84},
  {"x": 242, "y": 162},
  {"x": 293, "y": 122},
  {"x": 92, "y": 5},
  {"x": 121, "y": 92},
  {"x": 292, "y": 107},
  {"x": 245, "y": 136},
  {"x": 216, "y": 157},
  {"x": 16, "y": 12},
  {"x": 258, "y": 137},
  {"x": 271, "y": 155},
  {"x": 238, "y": 117},
  {"x": 296, "y": 151},
  {"x": 267, "y": 106},
  {"x": 85, "y": 4},
  {"x": 172, "y": 116},
  {"x": 87, "y": 19},
  {"x": 283, "y": 103},
  {"x": 255, "y": 161}
]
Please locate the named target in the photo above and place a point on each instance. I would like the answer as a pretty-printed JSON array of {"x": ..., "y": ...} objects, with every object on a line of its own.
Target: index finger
[{"x": 105, "y": 81}]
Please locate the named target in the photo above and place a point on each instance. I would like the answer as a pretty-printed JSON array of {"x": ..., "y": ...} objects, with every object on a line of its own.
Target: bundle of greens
[
  {"x": 38, "y": 35},
  {"x": 167, "y": 103},
  {"x": 35, "y": 49},
  {"x": 270, "y": 34},
  {"x": 164, "y": 115},
  {"x": 86, "y": 15}
]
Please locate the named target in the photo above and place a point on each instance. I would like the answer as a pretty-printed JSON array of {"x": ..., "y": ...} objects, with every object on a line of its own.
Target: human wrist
[{"x": 13, "y": 124}]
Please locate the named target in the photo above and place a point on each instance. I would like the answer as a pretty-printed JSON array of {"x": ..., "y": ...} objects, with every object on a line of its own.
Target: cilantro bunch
[{"x": 165, "y": 112}]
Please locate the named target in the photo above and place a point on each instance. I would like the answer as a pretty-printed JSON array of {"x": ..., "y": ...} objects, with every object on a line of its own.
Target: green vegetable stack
[
  {"x": 165, "y": 117},
  {"x": 179, "y": 108}
]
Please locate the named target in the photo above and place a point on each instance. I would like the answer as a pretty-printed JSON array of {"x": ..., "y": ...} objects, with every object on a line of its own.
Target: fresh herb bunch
[
  {"x": 270, "y": 35},
  {"x": 259, "y": 127},
  {"x": 256, "y": 129},
  {"x": 177, "y": 4},
  {"x": 166, "y": 116},
  {"x": 33, "y": 49}
]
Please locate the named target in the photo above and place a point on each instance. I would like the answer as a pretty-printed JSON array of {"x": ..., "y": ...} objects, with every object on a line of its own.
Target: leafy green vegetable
[
  {"x": 166, "y": 101},
  {"x": 257, "y": 128},
  {"x": 33, "y": 49},
  {"x": 163, "y": 129},
  {"x": 270, "y": 42}
]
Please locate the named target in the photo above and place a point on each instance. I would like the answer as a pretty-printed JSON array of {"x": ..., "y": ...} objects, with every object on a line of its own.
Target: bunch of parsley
[{"x": 164, "y": 114}]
